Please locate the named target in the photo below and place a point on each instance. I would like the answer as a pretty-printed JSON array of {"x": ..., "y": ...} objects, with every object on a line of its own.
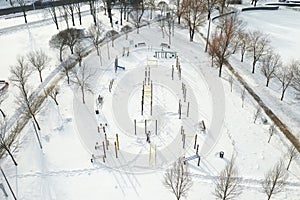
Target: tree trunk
[
  {"x": 242, "y": 57},
  {"x": 207, "y": 36},
  {"x": 79, "y": 15},
  {"x": 36, "y": 122},
  {"x": 60, "y": 53},
  {"x": 68, "y": 78},
  {"x": 220, "y": 70},
  {"x": 268, "y": 80},
  {"x": 55, "y": 18},
  {"x": 10, "y": 154},
  {"x": 109, "y": 14},
  {"x": 253, "y": 66},
  {"x": 55, "y": 101},
  {"x": 72, "y": 16},
  {"x": 270, "y": 138},
  {"x": 40, "y": 74},
  {"x": 24, "y": 14},
  {"x": 83, "y": 99},
  {"x": 178, "y": 19},
  {"x": 121, "y": 16},
  {"x": 282, "y": 95},
  {"x": 79, "y": 60},
  {"x": 2, "y": 113},
  {"x": 191, "y": 35},
  {"x": 289, "y": 163}
]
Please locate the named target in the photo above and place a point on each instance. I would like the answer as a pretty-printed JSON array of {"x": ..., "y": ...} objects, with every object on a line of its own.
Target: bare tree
[
  {"x": 78, "y": 10},
  {"x": 271, "y": 132},
  {"x": 92, "y": 4},
  {"x": 111, "y": 34},
  {"x": 291, "y": 154},
  {"x": 243, "y": 96},
  {"x": 257, "y": 113},
  {"x": 67, "y": 66},
  {"x": 209, "y": 7},
  {"x": 258, "y": 46},
  {"x": 296, "y": 79},
  {"x": 228, "y": 183},
  {"x": 6, "y": 140},
  {"x": 73, "y": 36},
  {"x": 82, "y": 77},
  {"x": 52, "y": 91},
  {"x": 39, "y": 61},
  {"x": 162, "y": 7},
  {"x": 22, "y": 4},
  {"x": 194, "y": 13},
  {"x": 150, "y": 4},
  {"x": 221, "y": 5},
  {"x": 109, "y": 4},
  {"x": 59, "y": 41},
  {"x": 244, "y": 43},
  {"x": 71, "y": 8},
  {"x": 179, "y": 11},
  {"x": 26, "y": 99},
  {"x": 79, "y": 52},
  {"x": 64, "y": 14},
  {"x": 170, "y": 26},
  {"x": 3, "y": 96},
  {"x": 178, "y": 180},
  {"x": 254, "y": 2},
  {"x": 269, "y": 65},
  {"x": 137, "y": 13},
  {"x": 126, "y": 29},
  {"x": 275, "y": 180},
  {"x": 96, "y": 35},
  {"x": 52, "y": 11},
  {"x": 221, "y": 44},
  {"x": 162, "y": 27},
  {"x": 285, "y": 76}
]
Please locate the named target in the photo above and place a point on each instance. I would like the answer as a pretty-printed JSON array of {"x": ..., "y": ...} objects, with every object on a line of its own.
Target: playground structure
[{"x": 154, "y": 117}]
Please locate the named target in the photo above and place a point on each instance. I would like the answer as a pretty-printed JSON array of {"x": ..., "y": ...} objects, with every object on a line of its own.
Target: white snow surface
[{"x": 62, "y": 169}]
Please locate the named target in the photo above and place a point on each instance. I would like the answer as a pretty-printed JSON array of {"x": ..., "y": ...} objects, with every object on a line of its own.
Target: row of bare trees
[
  {"x": 228, "y": 184},
  {"x": 230, "y": 36}
]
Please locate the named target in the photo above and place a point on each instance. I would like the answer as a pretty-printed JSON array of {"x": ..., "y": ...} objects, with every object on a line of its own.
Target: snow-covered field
[{"x": 62, "y": 169}]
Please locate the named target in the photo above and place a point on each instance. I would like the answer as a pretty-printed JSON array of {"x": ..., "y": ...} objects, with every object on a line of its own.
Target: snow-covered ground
[{"x": 62, "y": 169}]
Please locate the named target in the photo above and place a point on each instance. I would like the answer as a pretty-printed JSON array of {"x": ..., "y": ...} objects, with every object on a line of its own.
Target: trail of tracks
[
  {"x": 202, "y": 178},
  {"x": 283, "y": 128}
]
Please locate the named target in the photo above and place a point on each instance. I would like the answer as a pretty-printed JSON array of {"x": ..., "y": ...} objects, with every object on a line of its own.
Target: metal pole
[
  {"x": 117, "y": 140},
  {"x": 195, "y": 141},
  {"x": 116, "y": 150},
  {"x": 104, "y": 153},
  {"x": 179, "y": 109},
  {"x": 135, "y": 127},
  {"x": 106, "y": 141},
  {"x": 183, "y": 144},
  {"x": 145, "y": 127},
  {"x": 188, "y": 109},
  {"x": 172, "y": 72},
  {"x": 155, "y": 127}
]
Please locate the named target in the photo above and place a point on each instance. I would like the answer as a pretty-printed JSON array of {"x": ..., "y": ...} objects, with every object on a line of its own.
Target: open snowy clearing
[{"x": 62, "y": 169}]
